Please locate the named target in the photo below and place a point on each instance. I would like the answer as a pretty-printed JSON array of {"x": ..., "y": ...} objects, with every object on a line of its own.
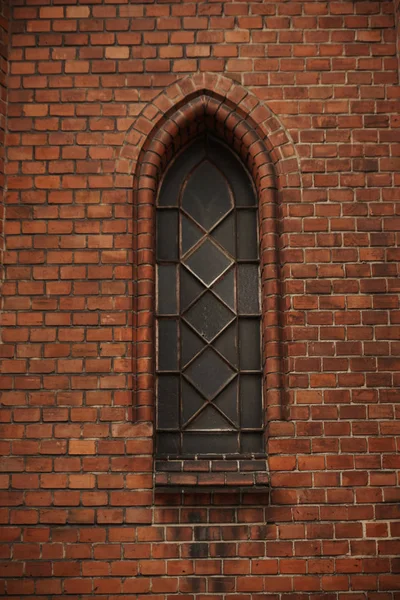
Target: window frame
[
  {"x": 215, "y": 144},
  {"x": 227, "y": 110}
]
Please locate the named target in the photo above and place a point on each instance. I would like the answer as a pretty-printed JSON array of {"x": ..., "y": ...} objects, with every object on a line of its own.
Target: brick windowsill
[{"x": 206, "y": 473}]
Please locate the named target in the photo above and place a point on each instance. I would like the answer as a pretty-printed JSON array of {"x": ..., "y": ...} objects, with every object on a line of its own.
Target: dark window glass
[
  {"x": 167, "y": 345},
  {"x": 167, "y": 235},
  {"x": 209, "y": 368},
  {"x": 208, "y": 316},
  {"x": 167, "y": 290}
]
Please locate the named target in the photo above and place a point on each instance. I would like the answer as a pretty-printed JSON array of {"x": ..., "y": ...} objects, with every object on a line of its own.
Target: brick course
[{"x": 100, "y": 96}]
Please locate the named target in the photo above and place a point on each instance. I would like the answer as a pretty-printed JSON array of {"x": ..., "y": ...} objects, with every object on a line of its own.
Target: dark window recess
[{"x": 208, "y": 323}]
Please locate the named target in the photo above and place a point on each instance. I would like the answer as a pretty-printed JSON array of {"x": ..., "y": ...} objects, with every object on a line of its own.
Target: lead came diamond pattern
[
  {"x": 209, "y": 373},
  {"x": 209, "y": 418},
  {"x": 191, "y": 345},
  {"x": 224, "y": 233},
  {"x": 192, "y": 401},
  {"x": 214, "y": 291},
  {"x": 208, "y": 316},
  {"x": 225, "y": 288},
  {"x": 190, "y": 288},
  {"x": 225, "y": 404},
  {"x": 191, "y": 234},
  {"x": 206, "y": 197},
  {"x": 207, "y": 262}
]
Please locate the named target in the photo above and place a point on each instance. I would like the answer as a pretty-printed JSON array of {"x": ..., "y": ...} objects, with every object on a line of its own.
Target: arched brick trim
[
  {"x": 234, "y": 96},
  {"x": 204, "y": 112}
]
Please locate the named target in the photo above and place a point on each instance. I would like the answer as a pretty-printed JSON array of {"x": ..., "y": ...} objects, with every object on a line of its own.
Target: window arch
[{"x": 208, "y": 313}]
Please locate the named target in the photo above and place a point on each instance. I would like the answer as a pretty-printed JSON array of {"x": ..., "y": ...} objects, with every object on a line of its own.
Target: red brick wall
[
  {"x": 397, "y": 16},
  {"x": 4, "y": 40},
  {"x": 79, "y": 513}
]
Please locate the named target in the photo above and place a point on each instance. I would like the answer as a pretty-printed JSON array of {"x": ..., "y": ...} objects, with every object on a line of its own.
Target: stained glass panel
[
  {"x": 250, "y": 400},
  {"x": 167, "y": 345},
  {"x": 210, "y": 443},
  {"x": 226, "y": 402},
  {"x": 251, "y": 443},
  {"x": 175, "y": 176},
  {"x": 190, "y": 234},
  {"x": 168, "y": 401},
  {"x": 227, "y": 344},
  {"x": 224, "y": 233},
  {"x": 167, "y": 290},
  {"x": 248, "y": 289},
  {"x": 191, "y": 344},
  {"x": 190, "y": 288},
  {"x": 225, "y": 288},
  {"x": 247, "y": 234},
  {"x": 209, "y": 373},
  {"x": 209, "y": 384},
  {"x": 192, "y": 401},
  {"x": 208, "y": 316},
  {"x": 207, "y": 262},
  {"x": 209, "y": 418},
  {"x": 167, "y": 235},
  {"x": 249, "y": 344},
  {"x": 207, "y": 196}
]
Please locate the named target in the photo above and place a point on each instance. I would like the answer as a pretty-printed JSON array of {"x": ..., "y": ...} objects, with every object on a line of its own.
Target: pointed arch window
[{"x": 208, "y": 316}]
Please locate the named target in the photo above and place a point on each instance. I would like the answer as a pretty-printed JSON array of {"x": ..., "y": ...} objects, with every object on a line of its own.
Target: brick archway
[
  {"x": 233, "y": 95},
  {"x": 251, "y": 130}
]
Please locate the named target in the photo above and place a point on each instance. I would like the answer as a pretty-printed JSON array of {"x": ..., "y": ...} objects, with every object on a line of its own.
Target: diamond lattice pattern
[{"x": 207, "y": 203}]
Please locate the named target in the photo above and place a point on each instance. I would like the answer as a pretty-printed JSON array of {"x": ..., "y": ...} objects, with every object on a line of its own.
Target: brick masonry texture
[
  {"x": 4, "y": 42},
  {"x": 99, "y": 96}
]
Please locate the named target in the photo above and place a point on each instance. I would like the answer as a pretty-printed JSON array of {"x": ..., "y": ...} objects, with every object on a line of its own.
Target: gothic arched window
[{"x": 208, "y": 316}]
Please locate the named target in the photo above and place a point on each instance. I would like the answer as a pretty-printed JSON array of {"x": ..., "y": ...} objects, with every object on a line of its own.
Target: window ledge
[{"x": 206, "y": 474}]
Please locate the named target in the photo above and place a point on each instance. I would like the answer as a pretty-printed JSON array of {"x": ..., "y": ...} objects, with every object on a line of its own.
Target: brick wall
[
  {"x": 4, "y": 39},
  {"x": 89, "y": 83},
  {"x": 397, "y": 17}
]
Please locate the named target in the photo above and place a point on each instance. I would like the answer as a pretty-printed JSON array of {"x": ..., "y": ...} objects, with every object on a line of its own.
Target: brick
[{"x": 82, "y": 447}]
